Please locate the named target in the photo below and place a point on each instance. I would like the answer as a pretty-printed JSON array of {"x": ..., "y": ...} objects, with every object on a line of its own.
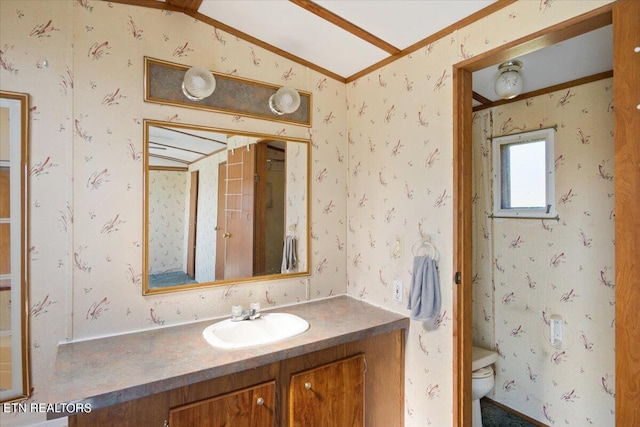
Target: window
[{"x": 523, "y": 181}]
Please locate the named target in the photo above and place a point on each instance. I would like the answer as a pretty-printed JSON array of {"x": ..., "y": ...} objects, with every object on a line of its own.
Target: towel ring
[
  {"x": 293, "y": 229},
  {"x": 423, "y": 244}
]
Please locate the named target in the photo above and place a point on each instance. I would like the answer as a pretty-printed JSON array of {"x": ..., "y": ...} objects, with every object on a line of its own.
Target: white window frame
[{"x": 549, "y": 211}]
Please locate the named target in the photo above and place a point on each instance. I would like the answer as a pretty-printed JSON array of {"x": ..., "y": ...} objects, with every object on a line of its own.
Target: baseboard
[
  {"x": 516, "y": 413},
  {"x": 58, "y": 422}
]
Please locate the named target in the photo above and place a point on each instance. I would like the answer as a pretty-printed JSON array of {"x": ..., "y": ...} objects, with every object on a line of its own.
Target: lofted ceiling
[
  {"x": 343, "y": 39},
  {"x": 172, "y": 147},
  {"x": 343, "y": 36},
  {"x": 346, "y": 39},
  {"x": 176, "y": 147}
]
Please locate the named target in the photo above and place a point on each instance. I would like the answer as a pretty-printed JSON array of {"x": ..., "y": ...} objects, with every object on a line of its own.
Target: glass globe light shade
[
  {"x": 509, "y": 83},
  {"x": 286, "y": 100},
  {"x": 198, "y": 83}
]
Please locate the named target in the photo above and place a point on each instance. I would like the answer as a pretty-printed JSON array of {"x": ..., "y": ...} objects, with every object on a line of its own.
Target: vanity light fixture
[
  {"x": 198, "y": 83},
  {"x": 509, "y": 83},
  {"x": 286, "y": 100}
]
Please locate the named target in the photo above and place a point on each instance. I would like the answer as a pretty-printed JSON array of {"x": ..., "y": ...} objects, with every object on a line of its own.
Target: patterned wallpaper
[
  {"x": 527, "y": 270},
  {"x": 207, "y": 213},
  {"x": 298, "y": 198},
  {"x": 167, "y": 207},
  {"x": 86, "y": 166},
  {"x": 401, "y": 185},
  {"x": 385, "y": 174}
]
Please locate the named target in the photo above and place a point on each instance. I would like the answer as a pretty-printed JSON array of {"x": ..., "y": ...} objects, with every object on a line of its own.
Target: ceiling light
[
  {"x": 509, "y": 83},
  {"x": 286, "y": 100},
  {"x": 198, "y": 83}
]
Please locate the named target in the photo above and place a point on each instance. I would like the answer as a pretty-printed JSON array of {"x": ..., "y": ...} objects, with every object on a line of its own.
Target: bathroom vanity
[{"x": 347, "y": 368}]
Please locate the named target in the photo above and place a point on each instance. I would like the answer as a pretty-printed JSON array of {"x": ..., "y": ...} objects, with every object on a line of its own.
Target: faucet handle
[
  {"x": 236, "y": 310},
  {"x": 255, "y": 310}
]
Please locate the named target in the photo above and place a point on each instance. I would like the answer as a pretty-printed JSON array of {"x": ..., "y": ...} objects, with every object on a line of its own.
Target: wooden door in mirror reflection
[
  {"x": 220, "y": 227},
  {"x": 239, "y": 213},
  {"x": 260, "y": 201}
]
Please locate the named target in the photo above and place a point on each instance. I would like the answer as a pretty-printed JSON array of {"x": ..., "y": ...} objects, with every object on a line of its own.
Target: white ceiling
[
  {"x": 397, "y": 25},
  {"x": 294, "y": 29},
  {"x": 572, "y": 59},
  {"x": 179, "y": 147}
]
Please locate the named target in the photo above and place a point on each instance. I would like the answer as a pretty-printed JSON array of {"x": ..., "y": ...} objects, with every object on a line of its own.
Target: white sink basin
[{"x": 267, "y": 329}]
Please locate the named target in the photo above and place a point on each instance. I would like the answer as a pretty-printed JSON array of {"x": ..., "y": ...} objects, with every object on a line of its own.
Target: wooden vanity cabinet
[
  {"x": 249, "y": 407},
  {"x": 330, "y": 395},
  {"x": 339, "y": 393}
]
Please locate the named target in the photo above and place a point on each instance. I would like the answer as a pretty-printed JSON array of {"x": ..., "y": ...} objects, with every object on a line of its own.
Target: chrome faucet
[{"x": 237, "y": 314}]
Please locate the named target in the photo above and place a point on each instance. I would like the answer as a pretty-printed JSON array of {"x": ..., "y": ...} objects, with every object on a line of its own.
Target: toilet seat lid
[{"x": 482, "y": 372}]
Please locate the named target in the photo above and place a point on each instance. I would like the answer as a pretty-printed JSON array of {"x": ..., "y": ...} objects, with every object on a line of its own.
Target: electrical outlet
[{"x": 397, "y": 290}]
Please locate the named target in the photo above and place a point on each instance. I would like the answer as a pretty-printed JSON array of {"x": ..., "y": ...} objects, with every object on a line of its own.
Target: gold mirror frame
[
  {"x": 15, "y": 259},
  {"x": 146, "y": 288}
]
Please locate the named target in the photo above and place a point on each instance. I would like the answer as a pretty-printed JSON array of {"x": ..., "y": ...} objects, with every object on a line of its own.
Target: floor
[
  {"x": 162, "y": 280},
  {"x": 493, "y": 416}
]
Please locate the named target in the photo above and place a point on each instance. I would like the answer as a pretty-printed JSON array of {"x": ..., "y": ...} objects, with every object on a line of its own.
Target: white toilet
[{"x": 482, "y": 380}]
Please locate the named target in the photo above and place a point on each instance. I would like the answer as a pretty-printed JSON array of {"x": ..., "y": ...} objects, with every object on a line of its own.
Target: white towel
[
  {"x": 424, "y": 292},
  {"x": 289, "y": 258}
]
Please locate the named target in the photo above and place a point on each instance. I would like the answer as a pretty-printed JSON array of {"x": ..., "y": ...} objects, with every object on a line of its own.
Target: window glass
[{"x": 523, "y": 175}]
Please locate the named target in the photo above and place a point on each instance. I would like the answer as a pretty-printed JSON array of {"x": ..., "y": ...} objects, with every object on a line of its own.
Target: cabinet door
[
  {"x": 329, "y": 396},
  {"x": 249, "y": 407}
]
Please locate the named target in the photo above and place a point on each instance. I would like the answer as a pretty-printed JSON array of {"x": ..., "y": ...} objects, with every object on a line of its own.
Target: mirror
[
  {"x": 14, "y": 347},
  {"x": 223, "y": 206}
]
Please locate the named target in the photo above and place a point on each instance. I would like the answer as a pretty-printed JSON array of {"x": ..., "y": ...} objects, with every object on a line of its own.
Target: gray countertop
[{"x": 107, "y": 371}]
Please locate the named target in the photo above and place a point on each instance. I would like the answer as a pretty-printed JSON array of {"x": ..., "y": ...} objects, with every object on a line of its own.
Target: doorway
[
  {"x": 627, "y": 127},
  {"x": 251, "y": 211}
]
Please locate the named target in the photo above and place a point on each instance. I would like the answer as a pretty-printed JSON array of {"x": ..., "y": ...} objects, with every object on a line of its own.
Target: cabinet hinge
[
  {"x": 166, "y": 423},
  {"x": 256, "y": 177}
]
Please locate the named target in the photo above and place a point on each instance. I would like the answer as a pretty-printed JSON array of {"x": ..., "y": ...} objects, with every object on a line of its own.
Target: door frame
[
  {"x": 260, "y": 208},
  {"x": 221, "y": 221},
  {"x": 626, "y": 225},
  {"x": 193, "y": 224}
]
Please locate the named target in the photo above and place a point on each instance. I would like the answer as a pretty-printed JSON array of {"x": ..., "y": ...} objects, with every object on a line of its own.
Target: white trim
[
  {"x": 521, "y": 138},
  {"x": 58, "y": 422}
]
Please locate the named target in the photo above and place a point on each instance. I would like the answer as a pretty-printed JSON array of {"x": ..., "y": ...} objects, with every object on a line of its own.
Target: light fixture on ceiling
[
  {"x": 509, "y": 83},
  {"x": 286, "y": 100},
  {"x": 198, "y": 83}
]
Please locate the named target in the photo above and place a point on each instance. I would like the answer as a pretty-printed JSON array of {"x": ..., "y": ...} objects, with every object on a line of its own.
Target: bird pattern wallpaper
[
  {"x": 167, "y": 207},
  {"x": 527, "y": 270},
  {"x": 381, "y": 172}
]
